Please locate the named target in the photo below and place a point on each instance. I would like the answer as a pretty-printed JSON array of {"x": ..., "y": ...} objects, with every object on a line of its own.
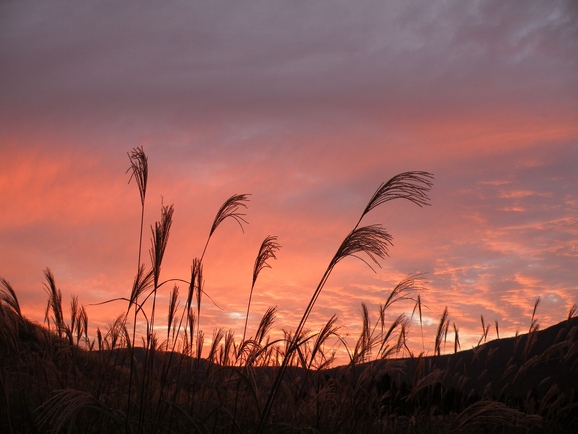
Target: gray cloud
[{"x": 272, "y": 59}]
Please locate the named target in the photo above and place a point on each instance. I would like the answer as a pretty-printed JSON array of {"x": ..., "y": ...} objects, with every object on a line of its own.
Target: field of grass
[{"x": 63, "y": 377}]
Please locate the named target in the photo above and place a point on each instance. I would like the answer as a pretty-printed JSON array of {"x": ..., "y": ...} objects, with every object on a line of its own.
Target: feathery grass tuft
[
  {"x": 159, "y": 240},
  {"x": 410, "y": 284},
  {"x": 533, "y": 321},
  {"x": 139, "y": 171},
  {"x": 442, "y": 327},
  {"x": 412, "y": 186},
  {"x": 372, "y": 240},
  {"x": 54, "y": 303},
  {"x": 497, "y": 329},
  {"x": 265, "y": 325},
  {"x": 456, "y": 339},
  {"x": 230, "y": 209},
  {"x": 173, "y": 305},
  {"x": 8, "y": 296},
  {"x": 267, "y": 251},
  {"x": 143, "y": 282}
]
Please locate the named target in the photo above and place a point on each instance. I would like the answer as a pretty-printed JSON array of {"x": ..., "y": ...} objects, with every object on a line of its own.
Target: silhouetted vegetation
[{"x": 63, "y": 378}]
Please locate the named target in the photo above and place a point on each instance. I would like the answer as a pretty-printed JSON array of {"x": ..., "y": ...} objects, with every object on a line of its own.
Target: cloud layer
[{"x": 308, "y": 107}]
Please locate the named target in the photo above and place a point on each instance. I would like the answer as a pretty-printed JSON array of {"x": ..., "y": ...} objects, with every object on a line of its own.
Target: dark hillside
[
  {"x": 534, "y": 372},
  {"x": 511, "y": 366},
  {"x": 524, "y": 384}
]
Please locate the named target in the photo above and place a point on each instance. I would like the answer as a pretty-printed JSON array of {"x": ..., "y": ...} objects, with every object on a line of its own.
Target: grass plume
[
  {"x": 54, "y": 303},
  {"x": 8, "y": 296},
  {"x": 412, "y": 186},
  {"x": 267, "y": 251},
  {"x": 231, "y": 208}
]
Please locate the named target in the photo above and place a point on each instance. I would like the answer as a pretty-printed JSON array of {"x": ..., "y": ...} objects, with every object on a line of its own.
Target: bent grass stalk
[
  {"x": 267, "y": 251},
  {"x": 372, "y": 240}
]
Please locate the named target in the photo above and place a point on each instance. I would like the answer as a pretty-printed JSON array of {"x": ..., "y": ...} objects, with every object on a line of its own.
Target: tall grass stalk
[
  {"x": 372, "y": 240},
  {"x": 54, "y": 304},
  {"x": 173, "y": 306},
  {"x": 441, "y": 331},
  {"x": 485, "y": 330},
  {"x": 231, "y": 209},
  {"x": 418, "y": 307},
  {"x": 160, "y": 237},
  {"x": 139, "y": 171},
  {"x": 267, "y": 251},
  {"x": 457, "y": 345}
]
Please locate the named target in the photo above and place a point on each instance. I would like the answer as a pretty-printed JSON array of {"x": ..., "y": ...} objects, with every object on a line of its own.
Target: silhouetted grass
[{"x": 62, "y": 378}]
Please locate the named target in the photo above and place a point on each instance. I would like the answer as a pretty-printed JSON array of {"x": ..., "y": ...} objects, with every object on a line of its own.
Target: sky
[{"x": 308, "y": 107}]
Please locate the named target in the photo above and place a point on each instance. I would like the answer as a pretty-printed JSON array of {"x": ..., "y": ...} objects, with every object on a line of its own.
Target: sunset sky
[{"x": 307, "y": 106}]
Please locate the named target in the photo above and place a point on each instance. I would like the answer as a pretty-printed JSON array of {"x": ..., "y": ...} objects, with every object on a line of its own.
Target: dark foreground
[{"x": 49, "y": 384}]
